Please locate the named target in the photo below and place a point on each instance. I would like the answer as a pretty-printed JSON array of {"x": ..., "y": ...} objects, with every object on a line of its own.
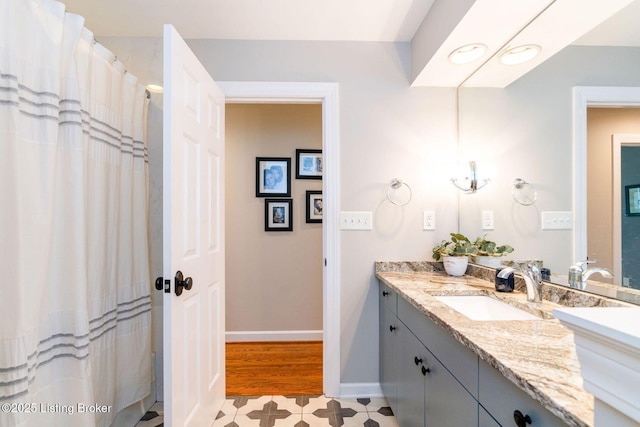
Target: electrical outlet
[
  {"x": 356, "y": 221},
  {"x": 429, "y": 220},
  {"x": 487, "y": 220},
  {"x": 557, "y": 220}
]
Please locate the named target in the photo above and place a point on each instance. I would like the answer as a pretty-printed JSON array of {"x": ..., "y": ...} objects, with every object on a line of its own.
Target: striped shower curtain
[{"x": 75, "y": 338}]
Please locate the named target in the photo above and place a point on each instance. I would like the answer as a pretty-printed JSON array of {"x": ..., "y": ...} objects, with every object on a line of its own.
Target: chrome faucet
[
  {"x": 532, "y": 279},
  {"x": 579, "y": 274}
]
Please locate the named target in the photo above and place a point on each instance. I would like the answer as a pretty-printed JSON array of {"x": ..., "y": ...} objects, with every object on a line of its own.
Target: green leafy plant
[
  {"x": 489, "y": 248},
  {"x": 459, "y": 245}
]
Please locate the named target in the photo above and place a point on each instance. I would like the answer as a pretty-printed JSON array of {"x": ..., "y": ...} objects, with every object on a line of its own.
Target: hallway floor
[{"x": 293, "y": 411}]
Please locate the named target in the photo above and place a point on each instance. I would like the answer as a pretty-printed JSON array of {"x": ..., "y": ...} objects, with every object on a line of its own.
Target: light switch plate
[
  {"x": 487, "y": 220},
  {"x": 356, "y": 220},
  {"x": 557, "y": 220},
  {"x": 429, "y": 220}
]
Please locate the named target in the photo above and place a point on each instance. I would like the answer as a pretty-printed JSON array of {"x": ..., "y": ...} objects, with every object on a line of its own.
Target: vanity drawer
[
  {"x": 388, "y": 298},
  {"x": 501, "y": 398},
  {"x": 458, "y": 359}
]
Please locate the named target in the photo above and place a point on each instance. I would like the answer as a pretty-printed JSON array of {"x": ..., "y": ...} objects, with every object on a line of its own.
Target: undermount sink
[{"x": 482, "y": 307}]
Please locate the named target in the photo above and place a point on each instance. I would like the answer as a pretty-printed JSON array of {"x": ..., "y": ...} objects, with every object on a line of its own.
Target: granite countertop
[{"x": 538, "y": 356}]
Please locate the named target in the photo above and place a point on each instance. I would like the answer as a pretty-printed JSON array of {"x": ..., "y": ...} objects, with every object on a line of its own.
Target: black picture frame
[
  {"x": 308, "y": 164},
  {"x": 632, "y": 199},
  {"x": 278, "y": 215},
  {"x": 268, "y": 184},
  {"x": 314, "y": 206}
]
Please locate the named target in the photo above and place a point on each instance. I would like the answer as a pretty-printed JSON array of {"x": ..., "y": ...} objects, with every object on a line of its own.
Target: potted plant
[
  {"x": 489, "y": 253},
  {"x": 455, "y": 253}
]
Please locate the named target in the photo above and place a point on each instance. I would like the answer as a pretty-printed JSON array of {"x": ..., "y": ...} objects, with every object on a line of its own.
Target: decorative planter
[
  {"x": 488, "y": 261},
  {"x": 455, "y": 265}
]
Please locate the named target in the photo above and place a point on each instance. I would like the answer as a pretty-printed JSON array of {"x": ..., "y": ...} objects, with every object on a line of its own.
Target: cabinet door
[
  {"x": 447, "y": 402},
  {"x": 388, "y": 349},
  {"x": 410, "y": 397},
  {"x": 501, "y": 398}
]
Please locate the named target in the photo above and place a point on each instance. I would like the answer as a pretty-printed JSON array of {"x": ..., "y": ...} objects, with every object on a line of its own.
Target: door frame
[
  {"x": 327, "y": 95},
  {"x": 584, "y": 97}
]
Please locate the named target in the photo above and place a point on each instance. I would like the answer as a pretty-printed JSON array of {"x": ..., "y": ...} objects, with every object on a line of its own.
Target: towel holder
[{"x": 396, "y": 184}]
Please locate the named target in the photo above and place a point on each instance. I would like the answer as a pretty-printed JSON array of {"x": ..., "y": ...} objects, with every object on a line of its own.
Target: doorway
[
  {"x": 273, "y": 274},
  {"x": 327, "y": 95}
]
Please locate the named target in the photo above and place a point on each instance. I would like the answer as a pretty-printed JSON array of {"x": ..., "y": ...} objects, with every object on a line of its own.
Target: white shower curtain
[{"x": 75, "y": 340}]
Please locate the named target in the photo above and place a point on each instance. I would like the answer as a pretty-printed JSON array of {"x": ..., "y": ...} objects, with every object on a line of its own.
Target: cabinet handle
[
  {"x": 385, "y": 293},
  {"x": 392, "y": 328},
  {"x": 425, "y": 370},
  {"x": 417, "y": 361},
  {"x": 521, "y": 420}
]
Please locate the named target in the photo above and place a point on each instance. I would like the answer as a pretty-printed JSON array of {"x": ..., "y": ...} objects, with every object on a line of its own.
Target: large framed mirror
[{"x": 528, "y": 131}]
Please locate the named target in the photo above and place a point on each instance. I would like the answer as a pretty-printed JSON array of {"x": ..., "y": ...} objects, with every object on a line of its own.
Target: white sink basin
[{"x": 482, "y": 307}]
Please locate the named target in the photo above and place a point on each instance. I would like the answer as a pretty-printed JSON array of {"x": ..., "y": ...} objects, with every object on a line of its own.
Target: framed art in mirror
[{"x": 632, "y": 196}]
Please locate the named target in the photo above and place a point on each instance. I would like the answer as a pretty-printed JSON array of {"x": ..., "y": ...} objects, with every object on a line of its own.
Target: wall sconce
[{"x": 469, "y": 181}]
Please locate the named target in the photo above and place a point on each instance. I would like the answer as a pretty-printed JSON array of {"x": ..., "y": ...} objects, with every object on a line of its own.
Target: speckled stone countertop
[{"x": 538, "y": 356}]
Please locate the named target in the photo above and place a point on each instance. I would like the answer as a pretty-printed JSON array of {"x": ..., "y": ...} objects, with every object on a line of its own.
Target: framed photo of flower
[{"x": 273, "y": 176}]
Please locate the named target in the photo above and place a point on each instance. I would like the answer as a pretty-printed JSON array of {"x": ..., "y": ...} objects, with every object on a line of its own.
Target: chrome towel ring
[{"x": 395, "y": 186}]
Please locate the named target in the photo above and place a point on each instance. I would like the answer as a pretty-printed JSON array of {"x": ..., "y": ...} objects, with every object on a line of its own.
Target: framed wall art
[
  {"x": 308, "y": 164},
  {"x": 632, "y": 197},
  {"x": 273, "y": 176},
  {"x": 314, "y": 206},
  {"x": 278, "y": 215}
]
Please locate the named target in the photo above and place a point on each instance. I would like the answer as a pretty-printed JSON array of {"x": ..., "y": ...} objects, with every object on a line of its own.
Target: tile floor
[{"x": 293, "y": 411}]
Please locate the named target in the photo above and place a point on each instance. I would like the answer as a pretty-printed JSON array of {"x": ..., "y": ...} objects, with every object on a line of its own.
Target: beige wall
[
  {"x": 273, "y": 279},
  {"x": 602, "y": 123}
]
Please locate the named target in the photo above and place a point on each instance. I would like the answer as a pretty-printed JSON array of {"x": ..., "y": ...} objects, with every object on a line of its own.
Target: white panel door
[{"x": 193, "y": 241}]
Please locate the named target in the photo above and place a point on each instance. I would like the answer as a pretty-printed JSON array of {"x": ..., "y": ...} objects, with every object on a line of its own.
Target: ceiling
[{"x": 434, "y": 28}]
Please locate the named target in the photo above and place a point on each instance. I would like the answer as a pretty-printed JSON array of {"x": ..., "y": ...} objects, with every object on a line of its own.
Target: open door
[{"x": 193, "y": 240}]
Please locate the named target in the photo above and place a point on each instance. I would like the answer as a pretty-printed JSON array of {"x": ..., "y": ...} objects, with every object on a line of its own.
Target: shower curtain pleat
[{"x": 73, "y": 229}]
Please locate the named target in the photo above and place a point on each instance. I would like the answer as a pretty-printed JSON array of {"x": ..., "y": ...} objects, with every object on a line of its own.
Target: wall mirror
[{"x": 531, "y": 130}]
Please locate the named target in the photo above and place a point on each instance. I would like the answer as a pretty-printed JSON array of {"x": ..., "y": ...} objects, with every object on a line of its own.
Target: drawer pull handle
[
  {"x": 425, "y": 370},
  {"x": 417, "y": 361},
  {"x": 385, "y": 293},
  {"x": 392, "y": 328},
  {"x": 521, "y": 420}
]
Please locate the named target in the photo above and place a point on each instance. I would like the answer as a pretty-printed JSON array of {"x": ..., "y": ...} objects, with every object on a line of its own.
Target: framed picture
[
  {"x": 278, "y": 215},
  {"x": 314, "y": 206},
  {"x": 632, "y": 194},
  {"x": 273, "y": 176},
  {"x": 308, "y": 164}
]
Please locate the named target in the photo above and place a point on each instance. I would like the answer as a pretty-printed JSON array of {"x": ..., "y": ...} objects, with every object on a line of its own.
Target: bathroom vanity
[{"x": 439, "y": 367}]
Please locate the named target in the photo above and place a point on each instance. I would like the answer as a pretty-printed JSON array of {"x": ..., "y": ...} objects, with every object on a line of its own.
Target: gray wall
[{"x": 387, "y": 130}]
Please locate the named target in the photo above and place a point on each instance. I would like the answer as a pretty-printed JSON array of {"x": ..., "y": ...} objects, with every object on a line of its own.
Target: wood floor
[{"x": 274, "y": 368}]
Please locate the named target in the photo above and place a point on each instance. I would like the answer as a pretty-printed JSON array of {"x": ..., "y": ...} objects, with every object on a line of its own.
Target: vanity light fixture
[
  {"x": 467, "y": 54},
  {"x": 155, "y": 88},
  {"x": 520, "y": 54},
  {"x": 471, "y": 183}
]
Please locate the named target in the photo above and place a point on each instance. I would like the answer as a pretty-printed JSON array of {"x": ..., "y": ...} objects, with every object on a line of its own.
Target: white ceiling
[{"x": 366, "y": 20}]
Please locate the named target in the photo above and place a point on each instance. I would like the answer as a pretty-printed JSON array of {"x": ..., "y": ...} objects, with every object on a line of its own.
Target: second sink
[{"x": 482, "y": 307}]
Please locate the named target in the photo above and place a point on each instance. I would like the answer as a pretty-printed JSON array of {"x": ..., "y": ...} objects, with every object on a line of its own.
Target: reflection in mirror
[{"x": 526, "y": 131}]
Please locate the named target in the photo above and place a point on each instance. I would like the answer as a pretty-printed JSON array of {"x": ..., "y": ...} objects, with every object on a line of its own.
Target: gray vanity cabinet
[{"x": 420, "y": 390}]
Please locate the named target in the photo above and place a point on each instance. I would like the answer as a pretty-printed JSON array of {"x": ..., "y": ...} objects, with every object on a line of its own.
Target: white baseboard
[
  {"x": 355, "y": 390},
  {"x": 245, "y": 336}
]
